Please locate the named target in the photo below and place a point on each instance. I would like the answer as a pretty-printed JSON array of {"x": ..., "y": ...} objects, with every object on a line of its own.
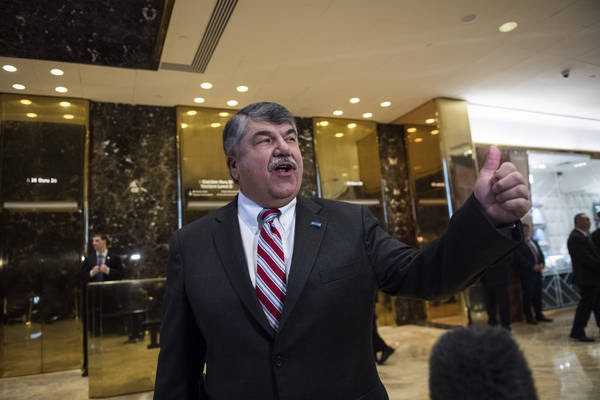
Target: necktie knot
[{"x": 267, "y": 215}]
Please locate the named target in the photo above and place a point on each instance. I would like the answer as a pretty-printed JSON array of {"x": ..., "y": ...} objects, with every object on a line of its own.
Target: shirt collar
[
  {"x": 248, "y": 210},
  {"x": 583, "y": 232},
  {"x": 103, "y": 254}
]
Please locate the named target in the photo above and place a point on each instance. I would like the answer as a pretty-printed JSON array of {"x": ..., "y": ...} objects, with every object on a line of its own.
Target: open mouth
[{"x": 283, "y": 165}]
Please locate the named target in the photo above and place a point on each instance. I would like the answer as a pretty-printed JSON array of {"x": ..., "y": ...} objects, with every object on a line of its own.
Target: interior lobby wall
[
  {"x": 133, "y": 182},
  {"x": 398, "y": 206}
]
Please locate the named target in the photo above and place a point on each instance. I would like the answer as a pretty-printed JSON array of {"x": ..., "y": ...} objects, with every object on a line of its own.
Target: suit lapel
[
  {"x": 228, "y": 242},
  {"x": 309, "y": 232}
]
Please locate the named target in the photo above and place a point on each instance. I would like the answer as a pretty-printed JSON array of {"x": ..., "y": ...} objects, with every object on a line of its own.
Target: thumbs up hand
[{"x": 502, "y": 190}]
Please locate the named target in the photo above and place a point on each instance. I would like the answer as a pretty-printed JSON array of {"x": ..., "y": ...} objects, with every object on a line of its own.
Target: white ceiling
[{"x": 313, "y": 55}]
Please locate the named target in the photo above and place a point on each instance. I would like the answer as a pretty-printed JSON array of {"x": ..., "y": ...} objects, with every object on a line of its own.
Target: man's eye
[{"x": 291, "y": 139}]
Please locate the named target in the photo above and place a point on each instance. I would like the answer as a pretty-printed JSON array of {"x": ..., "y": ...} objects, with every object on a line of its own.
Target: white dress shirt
[
  {"x": 286, "y": 225},
  {"x": 103, "y": 254}
]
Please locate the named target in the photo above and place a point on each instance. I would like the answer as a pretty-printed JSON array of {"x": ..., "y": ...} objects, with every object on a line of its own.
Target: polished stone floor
[{"x": 562, "y": 368}]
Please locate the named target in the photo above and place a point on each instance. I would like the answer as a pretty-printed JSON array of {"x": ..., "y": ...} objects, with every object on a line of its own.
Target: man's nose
[{"x": 282, "y": 147}]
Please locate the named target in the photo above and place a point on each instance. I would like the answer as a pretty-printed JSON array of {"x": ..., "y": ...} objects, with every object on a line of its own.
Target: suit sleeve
[
  {"x": 116, "y": 268},
  {"x": 182, "y": 346},
  {"x": 582, "y": 251},
  {"x": 446, "y": 265}
]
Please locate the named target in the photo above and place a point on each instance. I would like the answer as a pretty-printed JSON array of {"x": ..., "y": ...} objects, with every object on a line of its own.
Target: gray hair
[{"x": 263, "y": 111}]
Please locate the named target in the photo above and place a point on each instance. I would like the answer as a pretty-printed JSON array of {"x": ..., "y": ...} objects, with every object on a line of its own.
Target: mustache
[{"x": 281, "y": 161}]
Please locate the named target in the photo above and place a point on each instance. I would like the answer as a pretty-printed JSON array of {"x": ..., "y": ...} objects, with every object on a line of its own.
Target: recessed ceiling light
[
  {"x": 351, "y": 125},
  {"x": 9, "y": 68},
  {"x": 418, "y": 140},
  {"x": 354, "y": 100},
  {"x": 232, "y": 103},
  {"x": 338, "y": 112},
  {"x": 339, "y": 135},
  {"x": 31, "y": 115},
  {"x": 508, "y": 26},
  {"x": 198, "y": 99},
  {"x": 386, "y": 103},
  {"x": 411, "y": 130},
  {"x": 68, "y": 116},
  {"x": 26, "y": 101},
  {"x": 323, "y": 123},
  {"x": 242, "y": 88},
  {"x": 18, "y": 86},
  {"x": 223, "y": 114},
  {"x": 57, "y": 72},
  {"x": 215, "y": 124},
  {"x": 206, "y": 85},
  {"x": 367, "y": 115},
  {"x": 192, "y": 112},
  {"x": 434, "y": 132},
  {"x": 430, "y": 120},
  {"x": 184, "y": 125},
  {"x": 65, "y": 104},
  {"x": 61, "y": 89},
  {"x": 468, "y": 18}
]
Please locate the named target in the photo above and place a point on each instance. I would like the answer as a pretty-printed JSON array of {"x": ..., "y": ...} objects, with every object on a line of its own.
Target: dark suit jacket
[
  {"x": 498, "y": 274},
  {"x": 525, "y": 260},
  {"x": 585, "y": 259},
  {"x": 113, "y": 261},
  {"x": 596, "y": 239},
  {"x": 323, "y": 349}
]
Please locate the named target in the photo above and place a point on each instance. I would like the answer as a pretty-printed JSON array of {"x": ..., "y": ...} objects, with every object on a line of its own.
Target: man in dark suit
[
  {"x": 530, "y": 262},
  {"x": 596, "y": 234},
  {"x": 100, "y": 265},
  {"x": 273, "y": 293},
  {"x": 585, "y": 259}
]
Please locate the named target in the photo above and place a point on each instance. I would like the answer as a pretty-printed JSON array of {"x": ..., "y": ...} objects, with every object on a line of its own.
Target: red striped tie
[{"x": 270, "y": 269}]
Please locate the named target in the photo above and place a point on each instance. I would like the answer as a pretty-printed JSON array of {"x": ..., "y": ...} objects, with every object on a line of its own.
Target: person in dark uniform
[
  {"x": 100, "y": 265},
  {"x": 495, "y": 286},
  {"x": 530, "y": 262},
  {"x": 585, "y": 258},
  {"x": 596, "y": 235}
]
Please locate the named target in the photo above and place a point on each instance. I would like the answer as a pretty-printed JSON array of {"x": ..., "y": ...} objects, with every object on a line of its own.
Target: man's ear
[{"x": 233, "y": 169}]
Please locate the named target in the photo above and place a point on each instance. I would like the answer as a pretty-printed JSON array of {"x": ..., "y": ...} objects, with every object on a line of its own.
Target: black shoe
[
  {"x": 582, "y": 338},
  {"x": 385, "y": 354},
  {"x": 543, "y": 319},
  {"x": 84, "y": 373},
  {"x": 531, "y": 322}
]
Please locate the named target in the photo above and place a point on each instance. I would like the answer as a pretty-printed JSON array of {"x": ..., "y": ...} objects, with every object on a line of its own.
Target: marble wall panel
[
  {"x": 110, "y": 32},
  {"x": 400, "y": 222},
  {"x": 133, "y": 182},
  {"x": 307, "y": 146}
]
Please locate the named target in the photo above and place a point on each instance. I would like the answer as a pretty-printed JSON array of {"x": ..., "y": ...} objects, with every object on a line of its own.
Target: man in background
[
  {"x": 596, "y": 234},
  {"x": 530, "y": 262},
  {"x": 100, "y": 265},
  {"x": 585, "y": 259}
]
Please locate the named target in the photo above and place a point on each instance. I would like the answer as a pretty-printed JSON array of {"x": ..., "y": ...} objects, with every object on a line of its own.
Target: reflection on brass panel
[
  {"x": 21, "y": 349},
  {"x": 442, "y": 176},
  {"x": 123, "y": 335},
  {"x": 348, "y": 157},
  {"x": 41, "y": 156},
  {"x": 204, "y": 173}
]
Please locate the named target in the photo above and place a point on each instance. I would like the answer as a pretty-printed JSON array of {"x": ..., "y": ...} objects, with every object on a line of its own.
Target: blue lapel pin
[{"x": 315, "y": 224}]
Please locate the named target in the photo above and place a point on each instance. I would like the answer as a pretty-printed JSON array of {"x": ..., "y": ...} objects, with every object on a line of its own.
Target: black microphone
[{"x": 481, "y": 364}]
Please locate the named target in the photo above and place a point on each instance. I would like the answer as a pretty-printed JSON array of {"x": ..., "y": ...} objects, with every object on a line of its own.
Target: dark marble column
[
  {"x": 133, "y": 182},
  {"x": 400, "y": 222},
  {"x": 306, "y": 135}
]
